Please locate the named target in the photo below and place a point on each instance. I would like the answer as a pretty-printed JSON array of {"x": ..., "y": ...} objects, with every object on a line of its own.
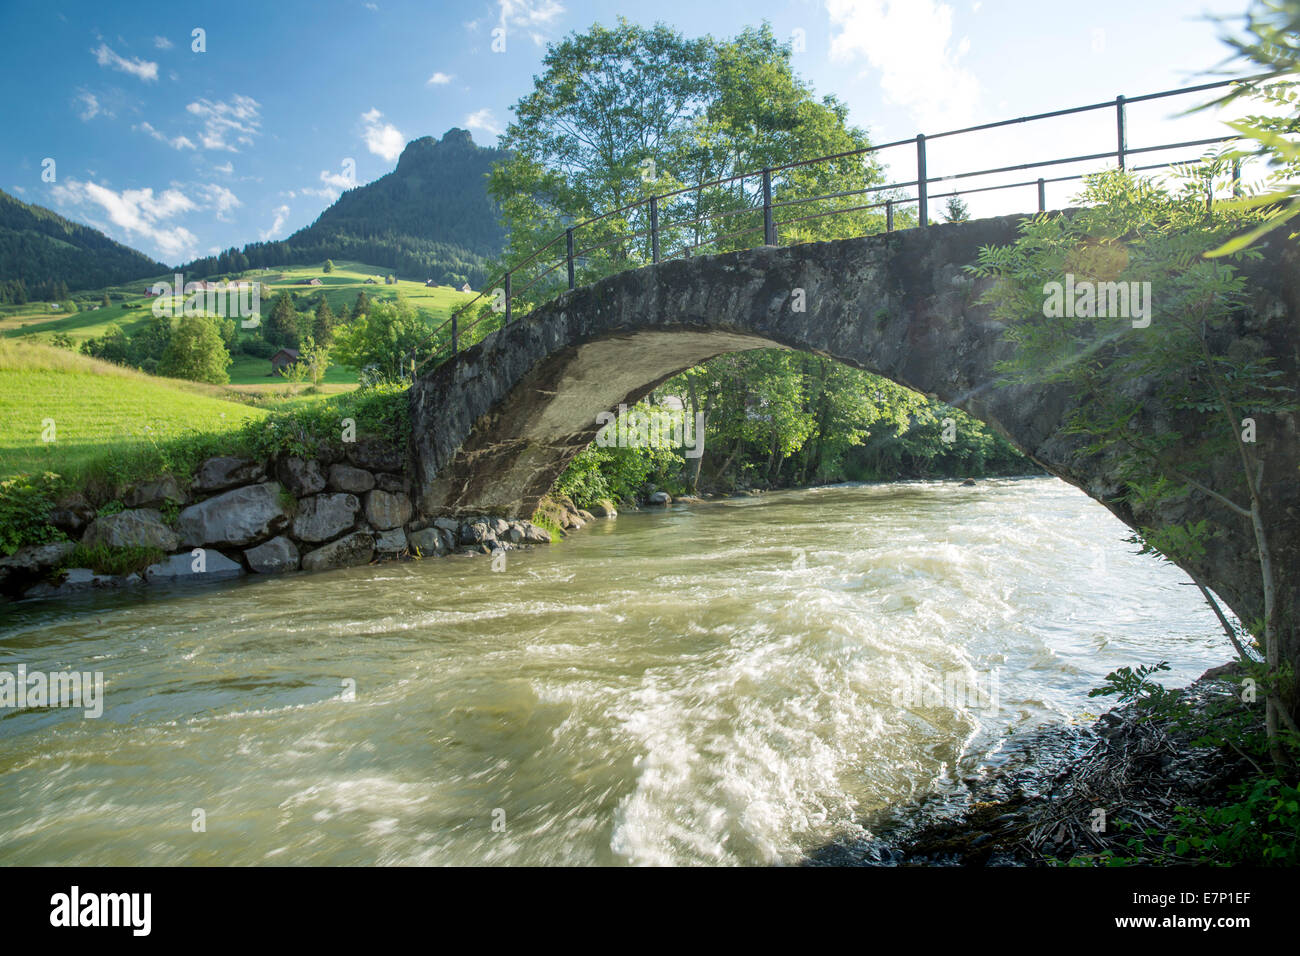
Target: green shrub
[{"x": 25, "y": 505}]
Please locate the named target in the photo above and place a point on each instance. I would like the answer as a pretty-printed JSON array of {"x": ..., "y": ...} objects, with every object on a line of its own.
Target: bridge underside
[
  {"x": 496, "y": 426},
  {"x": 529, "y": 438}
]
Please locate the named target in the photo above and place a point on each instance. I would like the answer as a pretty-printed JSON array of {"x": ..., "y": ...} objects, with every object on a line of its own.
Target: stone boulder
[
  {"x": 326, "y": 516},
  {"x": 218, "y": 474},
  {"x": 155, "y": 493},
  {"x": 476, "y": 532},
  {"x": 391, "y": 483},
  {"x": 391, "y": 541},
  {"x": 179, "y": 569},
  {"x": 374, "y": 454},
  {"x": 35, "y": 558},
  {"x": 354, "y": 549},
  {"x": 302, "y": 476},
  {"x": 534, "y": 534},
  {"x": 384, "y": 509},
  {"x": 72, "y": 513},
  {"x": 660, "y": 498},
  {"x": 236, "y": 518},
  {"x": 604, "y": 508},
  {"x": 429, "y": 541},
  {"x": 346, "y": 478},
  {"x": 273, "y": 557},
  {"x": 138, "y": 528}
]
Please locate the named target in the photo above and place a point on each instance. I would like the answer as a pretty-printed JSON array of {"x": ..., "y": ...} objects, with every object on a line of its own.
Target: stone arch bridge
[{"x": 496, "y": 425}]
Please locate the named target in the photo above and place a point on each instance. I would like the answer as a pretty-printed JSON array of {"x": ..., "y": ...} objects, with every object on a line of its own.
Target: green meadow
[{"x": 98, "y": 414}]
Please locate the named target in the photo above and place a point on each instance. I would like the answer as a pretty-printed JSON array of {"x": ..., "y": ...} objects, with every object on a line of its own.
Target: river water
[{"x": 736, "y": 682}]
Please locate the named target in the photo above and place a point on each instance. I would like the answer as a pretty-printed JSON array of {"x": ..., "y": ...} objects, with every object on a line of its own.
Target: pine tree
[
  {"x": 322, "y": 329},
  {"x": 329, "y": 266},
  {"x": 361, "y": 306},
  {"x": 281, "y": 327}
]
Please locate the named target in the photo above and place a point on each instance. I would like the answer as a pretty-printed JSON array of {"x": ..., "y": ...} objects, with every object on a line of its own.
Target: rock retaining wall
[{"x": 239, "y": 517}]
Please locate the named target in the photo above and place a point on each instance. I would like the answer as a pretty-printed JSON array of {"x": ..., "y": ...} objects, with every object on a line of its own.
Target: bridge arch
[{"x": 495, "y": 426}]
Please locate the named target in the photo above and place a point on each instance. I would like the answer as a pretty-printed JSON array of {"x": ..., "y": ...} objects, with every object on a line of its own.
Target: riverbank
[{"x": 1082, "y": 793}]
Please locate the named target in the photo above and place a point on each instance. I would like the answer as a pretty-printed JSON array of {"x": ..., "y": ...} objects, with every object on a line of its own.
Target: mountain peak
[{"x": 423, "y": 149}]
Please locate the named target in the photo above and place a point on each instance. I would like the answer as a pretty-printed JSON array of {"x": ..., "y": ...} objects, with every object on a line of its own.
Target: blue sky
[{"x": 179, "y": 153}]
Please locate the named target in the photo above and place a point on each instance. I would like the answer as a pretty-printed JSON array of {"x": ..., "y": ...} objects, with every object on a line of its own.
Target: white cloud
[
  {"x": 337, "y": 180},
  {"x": 281, "y": 217},
  {"x": 382, "y": 139},
  {"x": 438, "y": 79},
  {"x": 220, "y": 200},
  {"x": 138, "y": 212},
  {"x": 144, "y": 69},
  {"x": 236, "y": 120},
  {"x": 226, "y": 168},
  {"x": 528, "y": 14},
  {"x": 178, "y": 142},
  {"x": 910, "y": 44},
  {"x": 484, "y": 121},
  {"x": 372, "y": 6},
  {"x": 89, "y": 105},
  {"x": 162, "y": 43}
]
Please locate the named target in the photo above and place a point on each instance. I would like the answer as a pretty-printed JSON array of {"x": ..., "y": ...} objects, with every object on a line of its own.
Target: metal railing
[{"x": 762, "y": 198}]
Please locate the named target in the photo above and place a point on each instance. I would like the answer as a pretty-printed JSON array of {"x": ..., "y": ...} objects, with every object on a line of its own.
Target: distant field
[
  {"x": 340, "y": 288},
  {"x": 348, "y": 278},
  {"x": 98, "y": 409}
]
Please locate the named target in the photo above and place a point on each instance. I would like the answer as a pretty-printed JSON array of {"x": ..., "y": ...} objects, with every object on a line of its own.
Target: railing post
[
  {"x": 654, "y": 228},
  {"x": 769, "y": 228},
  {"x": 1121, "y": 128},
  {"x": 454, "y": 349},
  {"x": 922, "y": 189},
  {"x": 1042, "y": 195},
  {"x": 889, "y": 215},
  {"x": 568, "y": 240},
  {"x": 507, "y": 321}
]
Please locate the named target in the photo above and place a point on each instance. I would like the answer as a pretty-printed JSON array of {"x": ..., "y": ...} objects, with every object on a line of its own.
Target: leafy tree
[
  {"x": 150, "y": 341},
  {"x": 1270, "y": 47},
  {"x": 104, "y": 303},
  {"x": 315, "y": 359},
  {"x": 196, "y": 352},
  {"x": 621, "y": 114},
  {"x": 1167, "y": 398},
  {"x": 112, "y": 346},
  {"x": 329, "y": 266},
  {"x": 383, "y": 341}
]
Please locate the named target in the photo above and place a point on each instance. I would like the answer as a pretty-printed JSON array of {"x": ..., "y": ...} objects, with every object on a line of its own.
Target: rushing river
[{"x": 733, "y": 682}]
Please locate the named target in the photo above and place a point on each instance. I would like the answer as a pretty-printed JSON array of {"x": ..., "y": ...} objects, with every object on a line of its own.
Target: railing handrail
[{"x": 921, "y": 182}]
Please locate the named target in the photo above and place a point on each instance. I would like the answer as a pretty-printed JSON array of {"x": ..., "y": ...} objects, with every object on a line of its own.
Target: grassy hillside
[{"x": 105, "y": 416}]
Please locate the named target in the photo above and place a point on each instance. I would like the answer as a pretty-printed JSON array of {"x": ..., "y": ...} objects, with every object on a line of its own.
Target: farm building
[{"x": 282, "y": 359}]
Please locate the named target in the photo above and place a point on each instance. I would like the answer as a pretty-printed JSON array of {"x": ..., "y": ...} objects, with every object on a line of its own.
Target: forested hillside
[{"x": 44, "y": 256}]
